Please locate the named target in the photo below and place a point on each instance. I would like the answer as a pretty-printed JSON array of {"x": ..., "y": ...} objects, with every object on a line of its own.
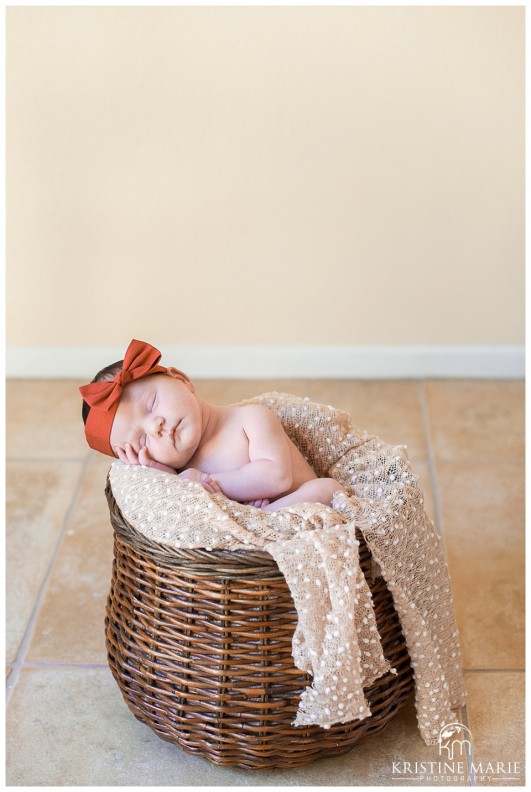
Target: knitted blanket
[{"x": 336, "y": 639}]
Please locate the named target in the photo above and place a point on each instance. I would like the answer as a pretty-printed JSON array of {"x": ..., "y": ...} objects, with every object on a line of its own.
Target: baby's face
[{"x": 161, "y": 413}]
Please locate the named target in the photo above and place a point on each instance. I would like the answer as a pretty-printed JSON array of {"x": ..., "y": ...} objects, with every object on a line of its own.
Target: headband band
[{"x": 141, "y": 360}]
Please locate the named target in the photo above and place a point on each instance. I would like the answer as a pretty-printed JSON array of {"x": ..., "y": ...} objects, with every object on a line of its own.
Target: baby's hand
[
  {"x": 258, "y": 504},
  {"x": 209, "y": 483},
  {"x": 130, "y": 457}
]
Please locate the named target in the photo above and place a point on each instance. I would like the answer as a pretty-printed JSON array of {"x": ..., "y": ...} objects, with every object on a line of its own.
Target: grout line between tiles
[
  {"x": 494, "y": 670},
  {"x": 47, "y": 460},
  {"x": 59, "y": 664},
  {"x": 18, "y": 662},
  {"x": 431, "y": 462},
  {"x": 469, "y": 754}
]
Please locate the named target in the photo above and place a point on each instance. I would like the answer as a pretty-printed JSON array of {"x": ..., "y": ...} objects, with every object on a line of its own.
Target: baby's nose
[{"x": 156, "y": 425}]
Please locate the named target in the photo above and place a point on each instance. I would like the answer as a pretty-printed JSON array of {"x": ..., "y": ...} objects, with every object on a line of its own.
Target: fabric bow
[{"x": 141, "y": 359}]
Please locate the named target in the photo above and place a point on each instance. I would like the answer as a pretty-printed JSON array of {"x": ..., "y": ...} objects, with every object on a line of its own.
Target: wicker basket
[{"x": 200, "y": 645}]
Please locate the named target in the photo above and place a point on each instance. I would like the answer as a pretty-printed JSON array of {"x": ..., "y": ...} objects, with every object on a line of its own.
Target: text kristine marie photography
[{"x": 455, "y": 761}]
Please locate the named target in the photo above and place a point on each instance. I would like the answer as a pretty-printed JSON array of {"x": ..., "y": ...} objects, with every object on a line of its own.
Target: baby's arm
[{"x": 269, "y": 472}]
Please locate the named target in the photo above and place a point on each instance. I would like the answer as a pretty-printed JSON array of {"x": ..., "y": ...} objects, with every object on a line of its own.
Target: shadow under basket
[{"x": 200, "y": 644}]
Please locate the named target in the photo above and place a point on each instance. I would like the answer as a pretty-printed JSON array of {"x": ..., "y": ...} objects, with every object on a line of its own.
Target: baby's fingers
[
  {"x": 145, "y": 459},
  {"x": 121, "y": 455},
  {"x": 128, "y": 454},
  {"x": 132, "y": 456},
  {"x": 210, "y": 484}
]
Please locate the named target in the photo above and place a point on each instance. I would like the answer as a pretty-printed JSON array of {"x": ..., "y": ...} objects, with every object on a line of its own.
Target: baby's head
[{"x": 138, "y": 402}]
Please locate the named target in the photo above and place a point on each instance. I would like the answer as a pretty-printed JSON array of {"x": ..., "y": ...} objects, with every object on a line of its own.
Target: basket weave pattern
[{"x": 200, "y": 644}]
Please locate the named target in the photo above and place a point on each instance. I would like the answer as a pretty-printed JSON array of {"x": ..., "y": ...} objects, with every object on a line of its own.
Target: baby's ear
[{"x": 180, "y": 375}]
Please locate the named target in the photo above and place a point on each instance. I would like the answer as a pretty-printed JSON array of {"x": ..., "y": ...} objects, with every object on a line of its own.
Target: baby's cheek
[{"x": 165, "y": 456}]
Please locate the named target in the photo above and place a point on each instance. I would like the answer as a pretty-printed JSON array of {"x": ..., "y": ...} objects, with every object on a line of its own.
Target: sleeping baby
[{"x": 147, "y": 414}]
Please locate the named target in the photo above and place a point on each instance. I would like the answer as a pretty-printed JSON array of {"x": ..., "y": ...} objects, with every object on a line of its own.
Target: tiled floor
[{"x": 67, "y": 724}]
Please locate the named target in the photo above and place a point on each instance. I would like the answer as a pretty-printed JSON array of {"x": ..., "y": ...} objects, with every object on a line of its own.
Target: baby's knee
[
  {"x": 327, "y": 488},
  {"x": 332, "y": 486}
]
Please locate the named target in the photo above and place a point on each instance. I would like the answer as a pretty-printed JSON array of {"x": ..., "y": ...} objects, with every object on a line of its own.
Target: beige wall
[{"x": 347, "y": 175}]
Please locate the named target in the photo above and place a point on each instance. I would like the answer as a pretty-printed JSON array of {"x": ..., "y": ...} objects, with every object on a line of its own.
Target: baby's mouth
[{"x": 173, "y": 430}]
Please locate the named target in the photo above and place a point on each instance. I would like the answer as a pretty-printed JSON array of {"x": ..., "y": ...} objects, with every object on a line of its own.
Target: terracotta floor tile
[
  {"x": 483, "y": 519},
  {"x": 70, "y": 625},
  {"x": 38, "y": 496},
  {"x": 480, "y": 421},
  {"x": 496, "y": 717},
  {"x": 422, "y": 470},
  {"x": 389, "y": 409},
  {"x": 70, "y": 727},
  {"x": 44, "y": 419}
]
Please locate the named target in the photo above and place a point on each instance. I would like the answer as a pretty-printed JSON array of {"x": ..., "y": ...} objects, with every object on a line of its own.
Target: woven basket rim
[
  {"x": 193, "y": 557},
  {"x": 200, "y": 559}
]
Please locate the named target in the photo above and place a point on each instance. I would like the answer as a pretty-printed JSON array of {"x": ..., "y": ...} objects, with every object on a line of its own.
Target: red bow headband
[{"x": 141, "y": 360}]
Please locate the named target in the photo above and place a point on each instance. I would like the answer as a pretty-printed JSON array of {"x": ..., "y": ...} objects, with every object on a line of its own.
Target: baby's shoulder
[
  {"x": 255, "y": 414},
  {"x": 252, "y": 410}
]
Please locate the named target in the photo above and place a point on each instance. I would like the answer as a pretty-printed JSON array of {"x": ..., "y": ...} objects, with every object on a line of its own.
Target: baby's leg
[{"x": 319, "y": 490}]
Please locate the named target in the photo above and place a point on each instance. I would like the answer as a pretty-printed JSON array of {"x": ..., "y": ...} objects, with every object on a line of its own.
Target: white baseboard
[{"x": 279, "y": 362}]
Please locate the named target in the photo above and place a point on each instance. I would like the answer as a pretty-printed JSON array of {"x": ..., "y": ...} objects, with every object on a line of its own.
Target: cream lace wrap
[{"x": 336, "y": 639}]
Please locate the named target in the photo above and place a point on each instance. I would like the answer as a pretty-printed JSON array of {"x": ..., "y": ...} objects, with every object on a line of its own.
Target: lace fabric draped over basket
[{"x": 315, "y": 547}]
